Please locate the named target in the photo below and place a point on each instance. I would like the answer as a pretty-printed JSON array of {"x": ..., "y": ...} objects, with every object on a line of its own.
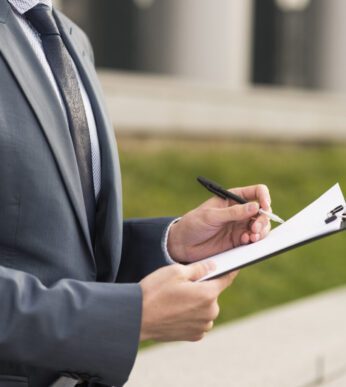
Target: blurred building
[
  {"x": 286, "y": 42},
  {"x": 300, "y": 43},
  {"x": 235, "y": 43}
]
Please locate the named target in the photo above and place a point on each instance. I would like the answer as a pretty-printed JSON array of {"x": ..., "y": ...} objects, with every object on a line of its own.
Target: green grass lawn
[{"x": 159, "y": 179}]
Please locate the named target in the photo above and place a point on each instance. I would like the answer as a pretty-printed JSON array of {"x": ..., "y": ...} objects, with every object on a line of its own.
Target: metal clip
[
  {"x": 333, "y": 215},
  {"x": 66, "y": 382}
]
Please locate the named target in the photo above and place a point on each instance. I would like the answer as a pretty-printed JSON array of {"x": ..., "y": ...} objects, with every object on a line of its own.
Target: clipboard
[{"x": 323, "y": 217}]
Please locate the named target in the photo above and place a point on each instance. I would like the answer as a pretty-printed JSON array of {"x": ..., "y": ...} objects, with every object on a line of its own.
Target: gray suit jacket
[{"x": 66, "y": 307}]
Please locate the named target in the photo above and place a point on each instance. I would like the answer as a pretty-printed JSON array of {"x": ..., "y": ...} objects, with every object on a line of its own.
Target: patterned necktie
[{"x": 60, "y": 62}]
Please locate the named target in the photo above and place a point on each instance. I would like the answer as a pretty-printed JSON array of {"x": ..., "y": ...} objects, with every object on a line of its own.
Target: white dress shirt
[{"x": 22, "y": 6}]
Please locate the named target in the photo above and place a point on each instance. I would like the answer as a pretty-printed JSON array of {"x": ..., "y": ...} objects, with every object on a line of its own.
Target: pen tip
[{"x": 279, "y": 220}]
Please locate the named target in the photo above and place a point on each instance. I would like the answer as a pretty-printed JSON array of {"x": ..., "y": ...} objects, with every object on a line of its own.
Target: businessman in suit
[{"x": 80, "y": 287}]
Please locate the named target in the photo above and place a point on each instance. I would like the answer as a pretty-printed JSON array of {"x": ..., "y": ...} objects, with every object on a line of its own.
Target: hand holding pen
[
  {"x": 217, "y": 225},
  {"x": 224, "y": 194}
]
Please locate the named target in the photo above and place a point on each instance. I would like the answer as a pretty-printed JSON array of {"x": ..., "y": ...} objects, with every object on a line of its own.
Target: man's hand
[
  {"x": 219, "y": 225},
  {"x": 175, "y": 307}
]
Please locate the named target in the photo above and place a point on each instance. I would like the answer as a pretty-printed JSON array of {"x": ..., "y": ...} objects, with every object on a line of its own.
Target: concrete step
[
  {"x": 158, "y": 105},
  {"x": 301, "y": 344}
]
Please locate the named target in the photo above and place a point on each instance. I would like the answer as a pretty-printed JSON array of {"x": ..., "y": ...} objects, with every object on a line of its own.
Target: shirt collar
[{"x": 22, "y": 6}]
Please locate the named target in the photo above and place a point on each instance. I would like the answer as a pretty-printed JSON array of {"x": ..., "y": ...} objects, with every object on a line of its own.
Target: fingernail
[
  {"x": 252, "y": 207},
  {"x": 268, "y": 203}
]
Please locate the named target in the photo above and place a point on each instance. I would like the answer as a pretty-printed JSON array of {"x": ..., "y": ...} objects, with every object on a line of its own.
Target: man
[{"x": 79, "y": 288}]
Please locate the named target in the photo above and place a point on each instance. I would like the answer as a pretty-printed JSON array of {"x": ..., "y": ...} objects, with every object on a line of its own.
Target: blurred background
[
  {"x": 271, "y": 69},
  {"x": 241, "y": 91},
  {"x": 237, "y": 43}
]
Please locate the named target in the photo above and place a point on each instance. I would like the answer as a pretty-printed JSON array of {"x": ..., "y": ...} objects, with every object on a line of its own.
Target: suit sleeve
[
  {"x": 81, "y": 327},
  {"x": 143, "y": 250}
]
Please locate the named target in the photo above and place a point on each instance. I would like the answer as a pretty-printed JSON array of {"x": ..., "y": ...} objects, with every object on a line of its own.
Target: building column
[
  {"x": 197, "y": 39},
  {"x": 330, "y": 50}
]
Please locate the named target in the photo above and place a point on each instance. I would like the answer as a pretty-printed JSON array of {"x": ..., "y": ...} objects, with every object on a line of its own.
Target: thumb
[
  {"x": 236, "y": 213},
  {"x": 197, "y": 270}
]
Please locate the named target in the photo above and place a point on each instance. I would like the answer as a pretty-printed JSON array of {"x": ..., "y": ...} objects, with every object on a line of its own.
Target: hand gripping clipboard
[{"x": 323, "y": 217}]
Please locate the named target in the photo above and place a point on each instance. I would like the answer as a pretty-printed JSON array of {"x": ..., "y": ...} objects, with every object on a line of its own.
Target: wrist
[
  {"x": 148, "y": 320},
  {"x": 174, "y": 246},
  {"x": 144, "y": 334}
]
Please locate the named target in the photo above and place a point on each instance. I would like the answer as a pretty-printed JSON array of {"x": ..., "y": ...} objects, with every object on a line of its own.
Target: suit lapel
[
  {"x": 109, "y": 213},
  {"x": 44, "y": 102}
]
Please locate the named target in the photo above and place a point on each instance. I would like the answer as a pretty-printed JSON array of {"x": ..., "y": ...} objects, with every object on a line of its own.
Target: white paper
[{"x": 307, "y": 224}]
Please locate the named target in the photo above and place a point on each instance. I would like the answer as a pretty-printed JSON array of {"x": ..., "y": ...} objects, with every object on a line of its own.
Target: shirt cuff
[{"x": 168, "y": 258}]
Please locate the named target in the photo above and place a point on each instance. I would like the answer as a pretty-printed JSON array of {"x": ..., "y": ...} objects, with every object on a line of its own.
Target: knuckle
[
  {"x": 235, "y": 211},
  {"x": 211, "y": 296},
  {"x": 214, "y": 311},
  {"x": 177, "y": 270},
  {"x": 263, "y": 187},
  {"x": 263, "y": 192},
  {"x": 208, "y": 215}
]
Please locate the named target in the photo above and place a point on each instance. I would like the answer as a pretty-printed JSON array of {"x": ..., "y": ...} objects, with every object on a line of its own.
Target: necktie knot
[{"x": 41, "y": 18}]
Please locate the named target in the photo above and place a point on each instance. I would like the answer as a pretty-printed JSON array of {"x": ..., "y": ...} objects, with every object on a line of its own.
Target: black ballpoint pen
[{"x": 224, "y": 194}]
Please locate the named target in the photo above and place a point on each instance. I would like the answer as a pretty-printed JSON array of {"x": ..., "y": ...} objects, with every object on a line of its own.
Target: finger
[
  {"x": 255, "y": 237},
  {"x": 245, "y": 238},
  {"x": 259, "y": 192},
  {"x": 260, "y": 230},
  {"x": 265, "y": 231},
  {"x": 198, "y": 270},
  {"x": 227, "y": 280},
  {"x": 260, "y": 224},
  {"x": 221, "y": 283},
  {"x": 237, "y": 212}
]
